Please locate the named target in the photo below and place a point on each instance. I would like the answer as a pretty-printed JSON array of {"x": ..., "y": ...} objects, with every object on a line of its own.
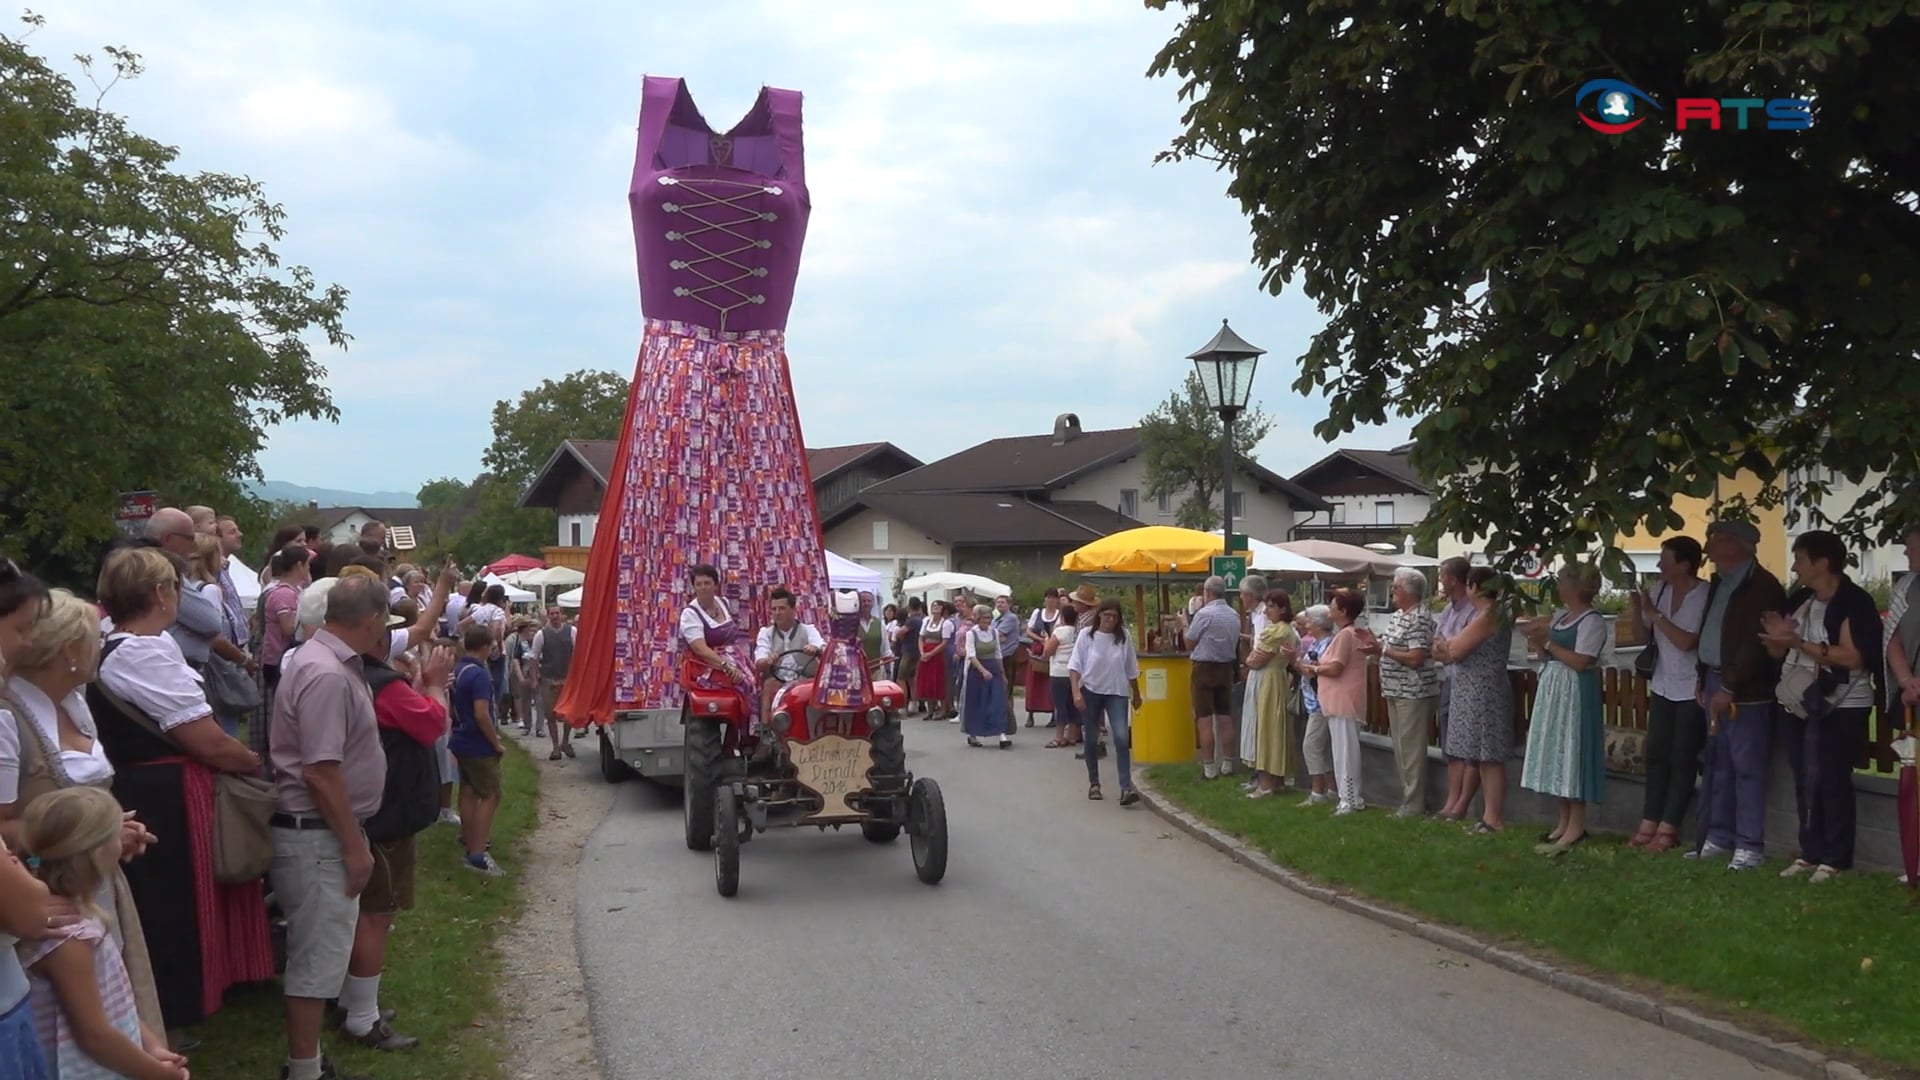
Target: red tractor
[{"x": 830, "y": 753}]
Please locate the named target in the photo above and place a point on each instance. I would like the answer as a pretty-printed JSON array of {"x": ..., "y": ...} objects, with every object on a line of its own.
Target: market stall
[{"x": 1159, "y": 558}]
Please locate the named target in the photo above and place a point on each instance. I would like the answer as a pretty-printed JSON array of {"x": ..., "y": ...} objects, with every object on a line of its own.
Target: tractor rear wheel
[
  {"x": 704, "y": 744},
  {"x": 889, "y": 749}
]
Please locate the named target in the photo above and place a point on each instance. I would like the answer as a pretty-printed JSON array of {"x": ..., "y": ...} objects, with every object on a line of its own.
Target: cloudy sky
[{"x": 989, "y": 231}]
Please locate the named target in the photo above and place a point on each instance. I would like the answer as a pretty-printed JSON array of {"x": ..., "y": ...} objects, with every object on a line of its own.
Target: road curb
[{"x": 1796, "y": 1059}]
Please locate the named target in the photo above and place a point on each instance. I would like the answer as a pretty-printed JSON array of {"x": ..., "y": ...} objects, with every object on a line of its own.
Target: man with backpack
[{"x": 412, "y": 716}]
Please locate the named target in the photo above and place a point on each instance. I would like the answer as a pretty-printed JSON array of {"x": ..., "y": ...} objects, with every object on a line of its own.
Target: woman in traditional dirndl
[
  {"x": 984, "y": 716},
  {"x": 930, "y": 680},
  {"x": 1566, "y": 742},
  {"x": 1039, "y": 686},
  {"x": 713, "y": 637}
]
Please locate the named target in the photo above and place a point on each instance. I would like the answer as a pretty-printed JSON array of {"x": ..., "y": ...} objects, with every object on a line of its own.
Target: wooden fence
[{"x": 1623, "y": 704}]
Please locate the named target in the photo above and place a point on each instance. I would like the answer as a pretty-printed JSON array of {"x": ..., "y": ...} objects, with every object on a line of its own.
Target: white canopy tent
[
  {"x": 571, "y": 598},
  {"x": 844, "y": 573},
  {"x": 947, "y": 581},
  {"x": 515, "y": 594},
  {"x": 546, "y": 577}
]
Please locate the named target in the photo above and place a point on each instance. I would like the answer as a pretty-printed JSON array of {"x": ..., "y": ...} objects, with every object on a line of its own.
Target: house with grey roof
[{"x": 1373, "y": 496}]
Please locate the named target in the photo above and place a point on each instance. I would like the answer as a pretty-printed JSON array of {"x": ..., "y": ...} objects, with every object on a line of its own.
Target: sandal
[
  {"x": 1481, "y": 828},
  {"x": 1056, "y": 744},
  {"x": 1641, "y": 837},
  {"x": 1663, "y": 841},
  {"x": 1093, "y": 793}
]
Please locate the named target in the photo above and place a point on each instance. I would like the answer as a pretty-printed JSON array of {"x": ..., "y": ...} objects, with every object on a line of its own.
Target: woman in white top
[
  {"x": 153, "y": 717},
  {"x": 1829, "y": 643},
  {"x": 1057, "y": 648},
  {"x": 711, "y": 635},
  {"x": 23, "y": 899},
  {"x": 1104, "y": 678},
  {"x": 1669, "y": 616},
  {"x": 48, "y": 742}
]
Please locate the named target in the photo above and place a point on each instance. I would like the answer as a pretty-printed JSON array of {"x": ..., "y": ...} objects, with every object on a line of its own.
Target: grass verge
[
  {"x": 1833, "y": 963},
  {"x": 441, "y": 969}
]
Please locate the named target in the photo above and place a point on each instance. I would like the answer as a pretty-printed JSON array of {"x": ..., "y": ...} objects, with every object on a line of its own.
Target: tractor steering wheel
[{"x": 806, "y": 670}]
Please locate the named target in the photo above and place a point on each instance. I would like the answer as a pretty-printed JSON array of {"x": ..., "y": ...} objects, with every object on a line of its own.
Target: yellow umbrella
[{"x": 1152, "y": 549}]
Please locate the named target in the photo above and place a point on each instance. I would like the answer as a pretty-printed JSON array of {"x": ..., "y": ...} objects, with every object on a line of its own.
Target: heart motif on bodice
[{"x": 720, "y": 150}]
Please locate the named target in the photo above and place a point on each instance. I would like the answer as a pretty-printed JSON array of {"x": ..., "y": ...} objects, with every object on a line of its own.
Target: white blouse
[
  {"x": 693, "y": 627},
  {"x": 149, "y": 673},
  {"x": 89, "y": 766}
]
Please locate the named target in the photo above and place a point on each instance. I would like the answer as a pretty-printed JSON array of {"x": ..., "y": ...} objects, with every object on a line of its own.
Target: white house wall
[
  {"x": 586, "y": 523},
  {"x": 907, "y": 551},
  {"x": 1873, "y": 564},
  {"x": 1408, "y": 509},
  {"x": 1268, "y": 516}
]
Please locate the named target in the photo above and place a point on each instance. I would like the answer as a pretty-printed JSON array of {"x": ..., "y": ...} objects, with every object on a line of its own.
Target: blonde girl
[{"x": 83, "y": 1005}]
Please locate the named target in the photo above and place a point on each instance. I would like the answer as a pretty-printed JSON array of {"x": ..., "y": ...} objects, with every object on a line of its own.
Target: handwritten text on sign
[{"x": 833, "y": 768}]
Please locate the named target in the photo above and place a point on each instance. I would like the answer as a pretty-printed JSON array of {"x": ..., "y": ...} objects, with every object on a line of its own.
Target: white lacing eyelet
[
  {"x": 763, "y": 244},
  {"x": 769, "y": 216},
  {"x": 682, "y": 291},
  {"x": 671, "y": 235},
  {"x": 671, "y": 208},
  {"x": 669, "y": 181},
  {"x": 677, "y": 264}
]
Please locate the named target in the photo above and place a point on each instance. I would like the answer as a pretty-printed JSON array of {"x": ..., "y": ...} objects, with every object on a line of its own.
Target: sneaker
[
  {"x": 1707, "y": 850},
  {"x": 1128, "y": 797},
  {"x": 1796, "y": 868},
  {"x": 1822, "y": 873},
  {"x": 1344, "y": 809},
  {"x": 448, "y": 817},
  {"x": 1263, "y": 793},
  {"x": 1317, "y": 798},
  {"x": 483, "y": 864},
  {"x": 1209, "y": 771},
  {"x": 1746, "y": 860},
  {"x": 1226, "y": 768}
]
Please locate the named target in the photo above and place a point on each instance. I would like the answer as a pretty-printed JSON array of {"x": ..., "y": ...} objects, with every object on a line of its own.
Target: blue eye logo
[{"x": 1614, "y": 111}]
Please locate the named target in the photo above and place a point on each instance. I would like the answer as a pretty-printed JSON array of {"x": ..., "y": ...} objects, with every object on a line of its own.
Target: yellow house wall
[{"x": 1696, "y": 514}]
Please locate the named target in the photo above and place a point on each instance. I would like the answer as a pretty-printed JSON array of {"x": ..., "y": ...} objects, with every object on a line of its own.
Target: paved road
[{"x": 1071, "y": 939}]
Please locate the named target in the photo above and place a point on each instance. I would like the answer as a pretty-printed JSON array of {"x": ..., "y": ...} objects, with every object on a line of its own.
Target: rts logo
[{"x": 1612, "y": 107}]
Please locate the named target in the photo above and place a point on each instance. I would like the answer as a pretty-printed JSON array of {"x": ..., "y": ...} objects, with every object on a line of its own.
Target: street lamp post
[{"x": 1225, "y": 366}]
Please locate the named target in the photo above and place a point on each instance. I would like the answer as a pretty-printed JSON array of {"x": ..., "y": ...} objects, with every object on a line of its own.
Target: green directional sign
[{"x": 1231, "y": 567}]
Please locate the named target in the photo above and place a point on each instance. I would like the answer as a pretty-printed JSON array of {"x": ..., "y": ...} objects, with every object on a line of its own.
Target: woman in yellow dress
[{"x": 1273, "y": 653}]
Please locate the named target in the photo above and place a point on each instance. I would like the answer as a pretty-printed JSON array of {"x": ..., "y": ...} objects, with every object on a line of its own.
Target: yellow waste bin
[{"x": 1163, "y": 728}]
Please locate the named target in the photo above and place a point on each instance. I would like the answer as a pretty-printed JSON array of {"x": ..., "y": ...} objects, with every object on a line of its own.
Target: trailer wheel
[
  {"x": 726, "y": 841},
  {"x": 612, "y": 769},
  {"x": 705, "y": 746},
  {"x": 927, "y": 818}
]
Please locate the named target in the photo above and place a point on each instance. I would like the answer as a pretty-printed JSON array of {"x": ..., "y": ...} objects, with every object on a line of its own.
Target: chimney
[{"x": 1066, "y": 428}]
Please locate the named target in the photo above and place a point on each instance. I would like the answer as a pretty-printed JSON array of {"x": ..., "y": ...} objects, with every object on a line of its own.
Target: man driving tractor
[{"x": 784, "y": 650}]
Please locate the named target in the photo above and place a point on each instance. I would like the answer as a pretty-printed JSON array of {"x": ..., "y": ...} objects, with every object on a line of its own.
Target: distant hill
[{"x": 281, "y": 491}]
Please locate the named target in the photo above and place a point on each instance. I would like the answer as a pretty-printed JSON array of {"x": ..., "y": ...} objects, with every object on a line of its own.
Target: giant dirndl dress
[
  {"x": 710, "y": 466},
  {"x": 1566, "y": 743}
]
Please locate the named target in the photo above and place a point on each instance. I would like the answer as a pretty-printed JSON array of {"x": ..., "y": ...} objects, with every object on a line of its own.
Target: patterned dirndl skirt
[
  {"x": 20, "y": 1053},
  {"x": 1039, "y": 687}
]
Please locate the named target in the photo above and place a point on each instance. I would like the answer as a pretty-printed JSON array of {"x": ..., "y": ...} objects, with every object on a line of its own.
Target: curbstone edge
[{"x": 1792, "y": 1058}]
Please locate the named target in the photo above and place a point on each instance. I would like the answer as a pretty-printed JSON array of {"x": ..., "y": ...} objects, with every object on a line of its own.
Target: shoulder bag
[
  {"x": 230, "y": 690},
  {"x": 1649, "y": 657},
  {"x": 242, "y": 804}
]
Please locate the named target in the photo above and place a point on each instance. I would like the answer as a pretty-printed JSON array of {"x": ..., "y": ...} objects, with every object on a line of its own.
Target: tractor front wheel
[
  {"x": 726, "y": 840},
  {"x": 927, "y": 826}
]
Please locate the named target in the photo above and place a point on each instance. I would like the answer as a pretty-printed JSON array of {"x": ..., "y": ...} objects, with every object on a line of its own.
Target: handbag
[
  {"x": 1649, "y": 657},
  {"x": 242, "y": 805},
  {"x": 230, "y": 690}
]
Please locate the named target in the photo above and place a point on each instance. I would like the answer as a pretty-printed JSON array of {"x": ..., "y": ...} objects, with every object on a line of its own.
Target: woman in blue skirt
[
  {"x": 985, "y": 711},
  {"x": 23, "y": 911}
]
